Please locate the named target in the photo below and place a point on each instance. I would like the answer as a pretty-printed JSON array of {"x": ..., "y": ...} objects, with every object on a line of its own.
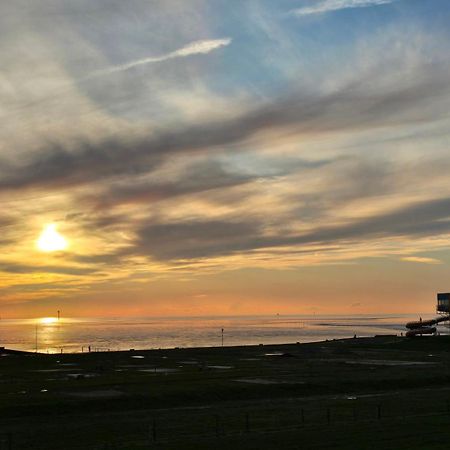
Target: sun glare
[{"x": 50, "y": 240}]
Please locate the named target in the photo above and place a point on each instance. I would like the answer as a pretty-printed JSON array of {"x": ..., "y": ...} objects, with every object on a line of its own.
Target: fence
[{"x": 161, "y": 431}]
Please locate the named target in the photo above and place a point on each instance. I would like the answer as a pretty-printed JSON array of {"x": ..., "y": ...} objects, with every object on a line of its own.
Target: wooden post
[
  {"x": 9, "y": 440},
  {"x": 217, "y": 425},
  {"x": 379, "y": 412},
  {"x": 354, "y": 414},
  {"x": 328, "y": 416},
  {"x": 302, "y": 415},
  {"x": 247, "y": 423},
  {"x": 154, "y": 430}
]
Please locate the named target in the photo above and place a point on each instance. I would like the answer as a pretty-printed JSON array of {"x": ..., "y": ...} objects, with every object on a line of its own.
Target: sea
[{"x": 68, "y": 335}]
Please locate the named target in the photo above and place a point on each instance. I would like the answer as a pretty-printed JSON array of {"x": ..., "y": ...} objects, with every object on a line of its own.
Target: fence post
[
  {"x": 378, "y": 412},
  {"x": 9, "y": 440},
  {"x": 217, "y": 425},
  {"x": 302, "y": 412},
  {"x": 448, "y": 406},
  {"x": 154, "y": 430},
  {"x": 247, "y": 423},
  {"x": 328, "y": 416},
  {"x": 354, "y": 413}
]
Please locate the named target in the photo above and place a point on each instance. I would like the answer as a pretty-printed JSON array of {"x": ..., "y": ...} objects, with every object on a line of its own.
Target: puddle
[
  {"x": 280, "y": 354},
  {"x": 256, "y": 381},
  {"x": 80, "y": 376},
  {"x": 111, "y": 393},
  {"x": 220, "y": 367},
  {"x": 135, "y": 366},
  {"x": 385, "y": 362},
  {"x": 266, "y": 381},
  {"x": 138, "y": 357},
  {"x": 158, "y": 370},
  {"x": 351, "y": 397}
]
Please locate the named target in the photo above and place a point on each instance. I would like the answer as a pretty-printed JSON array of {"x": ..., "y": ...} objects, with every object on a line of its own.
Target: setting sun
[{"x": 50, "y": 240}]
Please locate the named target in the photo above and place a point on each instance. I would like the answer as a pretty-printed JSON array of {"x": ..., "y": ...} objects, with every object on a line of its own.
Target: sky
[{"x": 224, "y": 157}]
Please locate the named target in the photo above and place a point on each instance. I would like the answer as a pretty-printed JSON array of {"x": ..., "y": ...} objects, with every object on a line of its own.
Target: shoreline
[{"x": 10, "y": 351}]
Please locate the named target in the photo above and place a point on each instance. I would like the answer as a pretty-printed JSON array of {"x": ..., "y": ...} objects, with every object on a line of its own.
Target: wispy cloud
[
  {"x": 421, "y": 259},
  {"x": 193, "y": 239},
  {"x": 348, "y": 109},
  {"x": 194, "y": 48},
  {"x": 335, "y": 5}
]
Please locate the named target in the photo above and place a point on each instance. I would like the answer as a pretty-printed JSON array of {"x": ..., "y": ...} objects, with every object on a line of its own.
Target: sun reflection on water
[{"x": 47, "y": 320}]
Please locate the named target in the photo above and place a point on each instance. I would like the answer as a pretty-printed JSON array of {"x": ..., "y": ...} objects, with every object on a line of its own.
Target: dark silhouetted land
[{"x": 384, "y": 393}]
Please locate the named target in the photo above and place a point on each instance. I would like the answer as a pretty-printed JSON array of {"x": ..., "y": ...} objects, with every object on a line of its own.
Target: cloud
[
  {"x": 16, "y": 268},
  {"x": 196, "y": 178},
  {"x": 352, "y": 107},
  {"x": 421, "y": 259},
  {"x": 194, "y": 48},
  {"x": 212, "y": 238},
  {"x": 336, "y": 5},
  {"x": 194, "y": 239},
  {"x": 418, "y": 219}
]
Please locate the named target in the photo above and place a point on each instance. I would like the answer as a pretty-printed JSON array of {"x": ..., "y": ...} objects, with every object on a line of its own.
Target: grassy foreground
[{"x": 384, "y": 392}]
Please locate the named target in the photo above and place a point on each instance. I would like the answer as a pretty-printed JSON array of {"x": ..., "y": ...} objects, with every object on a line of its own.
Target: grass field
[{"x": 384, "y": 392}]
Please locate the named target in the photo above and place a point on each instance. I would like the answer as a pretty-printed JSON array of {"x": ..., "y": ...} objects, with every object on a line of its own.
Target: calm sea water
[{"x": 72, "y": 335}]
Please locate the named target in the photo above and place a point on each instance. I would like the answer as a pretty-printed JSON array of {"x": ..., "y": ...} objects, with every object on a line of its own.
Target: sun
[{"x": 50, "y": 240}]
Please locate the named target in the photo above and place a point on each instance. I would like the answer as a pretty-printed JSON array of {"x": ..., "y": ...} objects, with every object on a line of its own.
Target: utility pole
[
  {"x": 58, "y": 315},
  {"x": 222, "y": 337},
  {"x": 36, "y": 336}
]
